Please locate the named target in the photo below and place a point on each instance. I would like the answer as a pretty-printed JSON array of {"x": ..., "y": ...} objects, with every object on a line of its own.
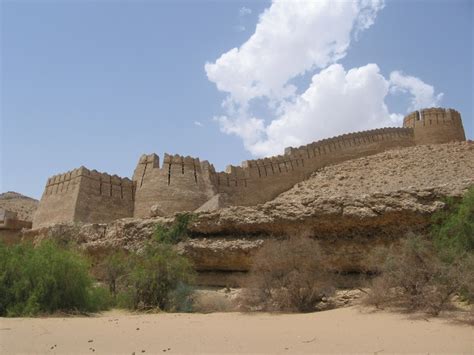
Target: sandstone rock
[{"x": 349, "y": 217}]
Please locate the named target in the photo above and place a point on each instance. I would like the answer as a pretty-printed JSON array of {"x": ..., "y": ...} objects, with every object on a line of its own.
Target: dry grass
[
  {"x": 413, "y": 278},
  {"x": 288, "y": 275}
]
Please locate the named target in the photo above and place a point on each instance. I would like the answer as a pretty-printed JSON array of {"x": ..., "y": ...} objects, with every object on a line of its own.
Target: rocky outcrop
[{"x": 350, "y": 208}]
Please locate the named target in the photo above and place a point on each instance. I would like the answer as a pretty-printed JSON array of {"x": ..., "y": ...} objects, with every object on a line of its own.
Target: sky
[{"x": 99, "y": 83}]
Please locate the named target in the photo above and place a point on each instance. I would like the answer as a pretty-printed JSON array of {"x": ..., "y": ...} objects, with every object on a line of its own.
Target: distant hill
[{"x": 23, "y": 205}]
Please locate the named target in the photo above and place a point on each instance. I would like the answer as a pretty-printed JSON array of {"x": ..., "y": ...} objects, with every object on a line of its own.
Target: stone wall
[
  {"x": 186, "y": 183},
  {"x": 435, "y": 125},
  {"x": 181, "y": 184},
  {"x": 261, "y": 180},
  {"x": 84, "y": 195}
]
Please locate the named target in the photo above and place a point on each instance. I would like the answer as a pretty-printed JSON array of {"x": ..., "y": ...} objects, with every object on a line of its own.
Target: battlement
[
  {"x": 184, "y": 183},
  {"x": 181, "y": 181},
  {"x": 435, "y": 125},
  {"x": 295, "y": 158},
  {"x": 85, "y": 195},
  {"x": 431, "y": 116},
  {"x": 96, "y": 182}
]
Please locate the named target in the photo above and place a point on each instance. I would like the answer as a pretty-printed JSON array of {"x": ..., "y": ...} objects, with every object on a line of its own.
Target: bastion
[{"x": 188, "y": 184}]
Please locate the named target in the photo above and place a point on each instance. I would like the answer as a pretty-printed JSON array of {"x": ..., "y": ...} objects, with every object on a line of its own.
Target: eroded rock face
[{"x": 349, "y": 208}]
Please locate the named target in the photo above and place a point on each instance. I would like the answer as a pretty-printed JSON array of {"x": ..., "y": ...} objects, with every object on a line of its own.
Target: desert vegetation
[
  {"x": 47, "y": 279},
  {"x": 419, "y": 273},
  {"x": 56, "y": 277},
  {"x": 156, "y": 277},
  {"x": 288, "y": 275},
  {"x": 424, "y": 273}
]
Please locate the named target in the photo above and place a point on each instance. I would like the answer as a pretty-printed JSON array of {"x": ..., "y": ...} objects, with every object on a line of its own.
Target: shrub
[
  {"x": 425, "y": 274},
  {"x": 158, "y": 278},
  {"x": 46, "y": 279},
  {"x": 288, "y": 275},
  {"x": 414, "y": 278},
  {"x": 114, "y": 267},
  {"x": 155, "y": 277},
  {"x": 453, "y": 228},
  {"x": 177, "y": 232}
]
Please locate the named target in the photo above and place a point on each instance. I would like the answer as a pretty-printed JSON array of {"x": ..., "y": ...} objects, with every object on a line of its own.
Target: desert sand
[{"x": 345, "y": 330}]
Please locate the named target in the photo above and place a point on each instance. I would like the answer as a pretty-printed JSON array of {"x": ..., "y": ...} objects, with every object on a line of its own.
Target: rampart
[
  {"x": 181, "y": 184},
  {"x": 258, "y": 181},
  {"x": 84, "y": 195},
  {"x": 186, "y": 183},
  {"x": 435, "y": 125}
]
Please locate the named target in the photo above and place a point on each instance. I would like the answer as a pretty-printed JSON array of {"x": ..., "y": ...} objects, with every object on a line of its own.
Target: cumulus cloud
[
  {"x": 290, "y": 39},
  {"x": 294, "y": 38},
  {"x": 197, "y": 123},
  {"x": 422, "y": 94},
  {"x": 337, "y": 101}
]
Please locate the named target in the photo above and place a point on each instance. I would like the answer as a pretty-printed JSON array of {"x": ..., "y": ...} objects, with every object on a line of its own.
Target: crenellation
[{"x": 185, "y": 183}]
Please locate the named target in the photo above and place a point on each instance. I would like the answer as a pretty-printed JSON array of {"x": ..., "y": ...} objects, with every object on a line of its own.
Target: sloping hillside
[{"x": 24, "y": 206}]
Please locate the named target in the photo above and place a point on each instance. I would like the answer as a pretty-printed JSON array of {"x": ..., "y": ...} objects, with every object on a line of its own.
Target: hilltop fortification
[{"x": 187, "y": 184}]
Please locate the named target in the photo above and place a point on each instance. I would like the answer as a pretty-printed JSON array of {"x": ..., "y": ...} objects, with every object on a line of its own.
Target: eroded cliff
[{"x": 350, "y": 208}]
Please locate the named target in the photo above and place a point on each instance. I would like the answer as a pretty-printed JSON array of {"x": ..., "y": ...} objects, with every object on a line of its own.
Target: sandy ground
[{"x": 346, "y": 330}]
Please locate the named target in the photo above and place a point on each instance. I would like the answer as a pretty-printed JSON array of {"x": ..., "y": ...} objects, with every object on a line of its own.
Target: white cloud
[
  {"x": 422, "y": 94},
  {"x": 197, "y": 123},
  {"x": 293, "y": 38},
  {"x": 290, "y": 39},
  {"x": 336, "y": 102},
  {"x": 243, "y": 11}
]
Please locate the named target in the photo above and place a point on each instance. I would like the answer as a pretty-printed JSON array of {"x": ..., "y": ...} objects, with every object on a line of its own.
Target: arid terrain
[
  {"x": 24, "y": 206},
  {"x": 349, "y": 207},
  {"x": 344, "y": 330}
]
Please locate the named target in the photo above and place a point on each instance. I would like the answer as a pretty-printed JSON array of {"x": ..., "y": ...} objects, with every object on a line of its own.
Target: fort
[{"x": 188, "y": 184}]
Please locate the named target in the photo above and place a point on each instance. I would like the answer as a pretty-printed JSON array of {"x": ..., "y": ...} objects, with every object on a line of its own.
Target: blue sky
[{"x": 98, "y": 83}]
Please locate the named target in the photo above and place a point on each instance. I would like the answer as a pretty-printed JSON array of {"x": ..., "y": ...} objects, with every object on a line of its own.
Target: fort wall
[
  {"x": 181, "y": 184},
  {"x": 186, "y": 183},
  {"x": 84, "y": 195},
  {"x": 103, "y": 198},
  {"x": 58, "y": 202},
  {"x": 258, "y": 181},
  {"x": 435, "y": 125}
]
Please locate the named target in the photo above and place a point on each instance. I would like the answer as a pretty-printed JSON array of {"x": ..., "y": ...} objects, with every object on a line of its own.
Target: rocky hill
[
  {"x": 350, "y": 208},
  {"x": 23, "y": 205}
]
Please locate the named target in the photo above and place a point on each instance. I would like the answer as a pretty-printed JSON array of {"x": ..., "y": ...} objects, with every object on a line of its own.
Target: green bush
[
  {"x": 115, "y": 267},
  {"x": 158, "y": 278},
  {"x": 453, "y": 229},
  {"x": 177, "y": 232},
  {"x": 423, "y": 274},
  {"x": 46, "y": 279}
]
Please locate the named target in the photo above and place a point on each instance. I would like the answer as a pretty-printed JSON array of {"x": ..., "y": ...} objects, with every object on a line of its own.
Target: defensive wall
[
  {"x": 186, "y": 183},
  {"x": 435, "y": 125},
  {"x": 181, "y": 184},
  {"x": 84, "y": 195}
]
